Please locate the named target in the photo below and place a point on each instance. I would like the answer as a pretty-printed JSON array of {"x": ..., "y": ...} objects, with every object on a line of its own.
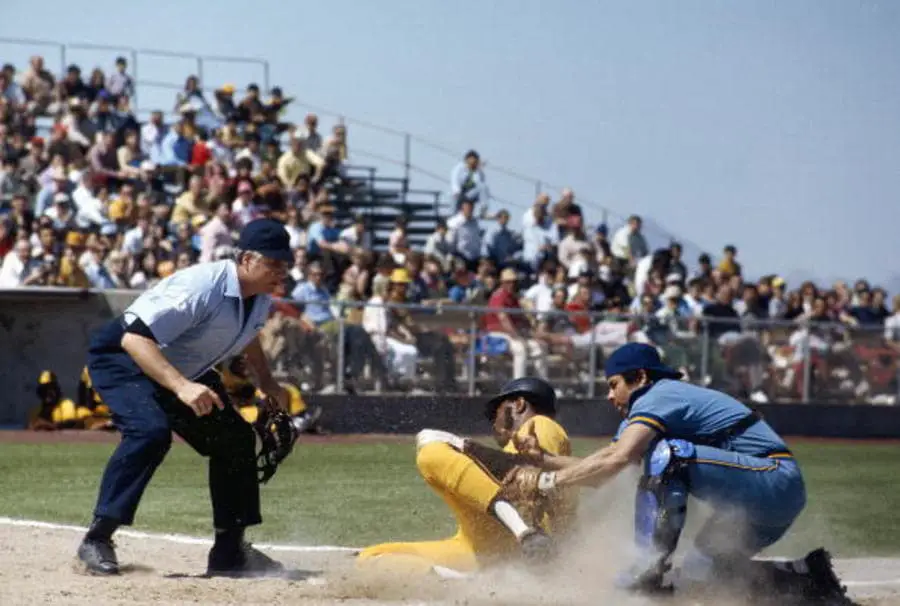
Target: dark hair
[{"x": 633, "y": 376}]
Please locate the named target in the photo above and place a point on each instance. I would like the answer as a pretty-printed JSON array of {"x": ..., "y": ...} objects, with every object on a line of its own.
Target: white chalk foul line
[
  {"x": 173, "y": 538},
  {"x": 189, "y": 540}
]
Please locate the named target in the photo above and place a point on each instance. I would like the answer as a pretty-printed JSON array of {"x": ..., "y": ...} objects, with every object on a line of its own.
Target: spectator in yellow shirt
[
  {"x": 729, "y": 265},
  {"x": 298, "y": 161}
]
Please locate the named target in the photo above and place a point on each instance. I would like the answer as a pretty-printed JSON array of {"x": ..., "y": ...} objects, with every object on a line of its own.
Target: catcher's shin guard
[{"x": 659, "y": 513}]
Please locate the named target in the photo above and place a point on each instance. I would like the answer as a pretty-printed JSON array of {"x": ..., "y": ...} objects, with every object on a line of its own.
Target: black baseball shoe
[
  {"x": 99, "y": 556},
  {"x": 244, "y": 562},
  {"x": 825, "y": 587}
]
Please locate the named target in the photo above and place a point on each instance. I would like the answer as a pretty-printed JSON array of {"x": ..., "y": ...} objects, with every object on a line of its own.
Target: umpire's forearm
[
  {"x": 557, "y": 462},
  {"x": 150, "y": 359}
]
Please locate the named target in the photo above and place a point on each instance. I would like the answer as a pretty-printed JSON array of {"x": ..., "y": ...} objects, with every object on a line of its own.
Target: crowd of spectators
[{"x": 90, "y": 197}]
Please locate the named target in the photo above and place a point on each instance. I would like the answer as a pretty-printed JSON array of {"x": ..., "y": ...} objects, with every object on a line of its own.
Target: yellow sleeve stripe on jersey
[{"x": 649, "y": 422}]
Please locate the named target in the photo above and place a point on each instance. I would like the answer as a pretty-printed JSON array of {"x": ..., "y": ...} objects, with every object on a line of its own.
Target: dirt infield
[{"x": 38, "y": 567}]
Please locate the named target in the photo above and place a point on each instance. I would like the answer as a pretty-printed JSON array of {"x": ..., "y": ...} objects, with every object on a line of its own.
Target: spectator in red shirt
[
  {"x": 581, "y": 302},
  {"x": 514, "y": 327}
]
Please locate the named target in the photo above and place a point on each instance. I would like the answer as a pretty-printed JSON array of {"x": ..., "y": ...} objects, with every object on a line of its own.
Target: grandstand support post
[
  {"x": 538, "y": 186},
  {"x": 62, "y": 59},
  {"x": 704, "y": 352},
  {"x": 200, "y": 70},
  {"x": 341, "y": 338},
  {"x": 134, "y": 73},
  {"x": 592, "y": 359},
  {"x": 807, "y": 366},
  {"x": 407, "y": 157},
  {"x": 470, "y": 362},
  {"x": 266, "y": 80}
]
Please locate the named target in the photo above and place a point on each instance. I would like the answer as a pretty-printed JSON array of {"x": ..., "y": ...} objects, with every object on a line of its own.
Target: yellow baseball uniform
[{"x": 469, "y": 488}]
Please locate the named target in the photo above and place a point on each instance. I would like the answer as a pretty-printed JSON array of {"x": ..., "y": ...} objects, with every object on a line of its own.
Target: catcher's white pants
[{"x": 402, "y": 358}]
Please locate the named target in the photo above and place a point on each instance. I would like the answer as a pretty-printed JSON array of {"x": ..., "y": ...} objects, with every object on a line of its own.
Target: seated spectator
[
  {"x": 433, "y": 280},
  {"x": 539, "y": 239},
  {"x": 37, "y": 84},
  {"x": 501, "y": 244},
  {"x": 465, "y": 234},
  {"x": 729, "y": 265},
  {"x": 358, "y": 346},
  {"x": 464, "y": 290},
  {"x": 324, "y": 245},
  {"x": 539, "y": 296},
  {"x": 628, "y": 244},
  {"x": 439, "y": 246},
  {"x": 17, "y": 265},
  {"x": 297, "y": 162},
  {"x": 393, "y": 340},
  {"x": 174, "y": 148},
  {"x": 312, "y": 140},
  {"x": 862, "y": 313},
  {"x": 721, "y": 315},
  {"x": 357, "y": 236},
  {"x": 398, "y": 244},
  {"x": 514, "y": 328},
  {"x": 530, "y": 217}
]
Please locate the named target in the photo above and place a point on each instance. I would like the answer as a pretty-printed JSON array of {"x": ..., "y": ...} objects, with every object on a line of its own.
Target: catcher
[
  {"x": 468, "y": 476},
  {"x": 694, "y": 441}
]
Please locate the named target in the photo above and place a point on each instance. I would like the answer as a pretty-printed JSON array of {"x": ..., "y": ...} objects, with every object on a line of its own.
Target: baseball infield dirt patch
[{"x": 38, "y": 567}]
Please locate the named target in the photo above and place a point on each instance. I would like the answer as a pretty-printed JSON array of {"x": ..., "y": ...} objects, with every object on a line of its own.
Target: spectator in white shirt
[
  {"x": 17, "y": 265},
  {"x": 356, "y": 235},
  {"x": 439, "y": 246},
  {"x": 62, "y": 213},
  {"x": 467, "y": 181},
  {"x": 465, "y": 234},
  {"x": 539, "y": 296},
  {"x": 217, "y": 232},
  {"x": 628, "y": 243},
  {"x": 530, "y": 217},
  {"x": 89, "y": 209}
]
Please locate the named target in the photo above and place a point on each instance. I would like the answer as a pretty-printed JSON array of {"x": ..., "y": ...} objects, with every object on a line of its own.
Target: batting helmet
[{"x": 536, "y": 392}]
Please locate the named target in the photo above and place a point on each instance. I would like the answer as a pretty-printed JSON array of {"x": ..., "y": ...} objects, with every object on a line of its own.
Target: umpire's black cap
[
  {"x": 267, "y": 237},
  {"x": 536, "y": 392}
]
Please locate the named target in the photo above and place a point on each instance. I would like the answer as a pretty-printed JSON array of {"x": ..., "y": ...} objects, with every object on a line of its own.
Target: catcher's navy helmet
[{"x": 537, "y": 392}]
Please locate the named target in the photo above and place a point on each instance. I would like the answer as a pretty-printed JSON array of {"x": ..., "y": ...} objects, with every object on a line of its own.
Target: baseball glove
[
  {"x": 277, "y": 434},
  {"x": 520, "y": 489}
]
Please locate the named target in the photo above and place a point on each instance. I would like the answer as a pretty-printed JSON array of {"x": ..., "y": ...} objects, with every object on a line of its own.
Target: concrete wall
[
  {"x": 465, "y": 416},
  {"x": 41, "y": 329}
]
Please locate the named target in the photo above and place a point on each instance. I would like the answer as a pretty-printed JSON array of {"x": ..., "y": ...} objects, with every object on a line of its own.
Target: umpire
[{"x": 153, "y": 366}]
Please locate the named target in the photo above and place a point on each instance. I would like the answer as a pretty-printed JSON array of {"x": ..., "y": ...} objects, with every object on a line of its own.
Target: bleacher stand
[{"x": 96, "y": 199}]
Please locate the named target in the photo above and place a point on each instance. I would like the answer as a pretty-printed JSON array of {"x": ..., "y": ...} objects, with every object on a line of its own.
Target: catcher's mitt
[
  {"x": 520, "y": 489},
  {"x": 276, "y": 435}
]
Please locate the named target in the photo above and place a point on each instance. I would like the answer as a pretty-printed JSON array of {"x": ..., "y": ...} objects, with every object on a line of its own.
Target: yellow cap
[
  {"x": 400, "y": 276},
  {"x": 46, "y": 378}
]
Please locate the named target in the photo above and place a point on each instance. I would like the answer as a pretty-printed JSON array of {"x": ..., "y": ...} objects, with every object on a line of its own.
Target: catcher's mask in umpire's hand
[
  {"x": 276, "y": 436},
  {"x": 537, "y": 392}
]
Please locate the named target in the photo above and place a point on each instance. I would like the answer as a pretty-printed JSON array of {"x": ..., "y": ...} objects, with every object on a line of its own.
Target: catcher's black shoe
[
  {"x": 99, "y": 556},
  {"x": 243, "y": 562},
  {"x": 825, "y": 588}
]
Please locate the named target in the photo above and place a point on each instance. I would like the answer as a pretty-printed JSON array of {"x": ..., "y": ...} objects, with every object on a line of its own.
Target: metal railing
[
  {"x": 760, "y": 361},
  {"x": 414, "y": 154}
]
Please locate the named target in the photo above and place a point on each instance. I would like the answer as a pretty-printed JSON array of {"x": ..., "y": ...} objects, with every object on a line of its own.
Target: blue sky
[{"x": 771, "y": 125}]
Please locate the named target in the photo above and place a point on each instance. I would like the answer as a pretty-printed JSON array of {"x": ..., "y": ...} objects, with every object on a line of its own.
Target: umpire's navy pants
[{"x": 146, "y": 414}]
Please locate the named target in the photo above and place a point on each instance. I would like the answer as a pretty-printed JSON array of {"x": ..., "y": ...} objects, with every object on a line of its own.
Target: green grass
[{"x": 358, "y": 494}]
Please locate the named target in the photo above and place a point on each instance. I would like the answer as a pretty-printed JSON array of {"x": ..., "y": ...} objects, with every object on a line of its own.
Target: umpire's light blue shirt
[{"x": 198, "y": 317}]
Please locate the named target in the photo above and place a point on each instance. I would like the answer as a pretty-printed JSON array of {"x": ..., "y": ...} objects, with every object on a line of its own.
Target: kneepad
[{"x": 661, "y": 505}]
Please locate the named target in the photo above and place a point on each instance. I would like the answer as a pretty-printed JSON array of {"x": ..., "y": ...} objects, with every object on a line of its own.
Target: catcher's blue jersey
[{"x": 681, "y": 410}]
